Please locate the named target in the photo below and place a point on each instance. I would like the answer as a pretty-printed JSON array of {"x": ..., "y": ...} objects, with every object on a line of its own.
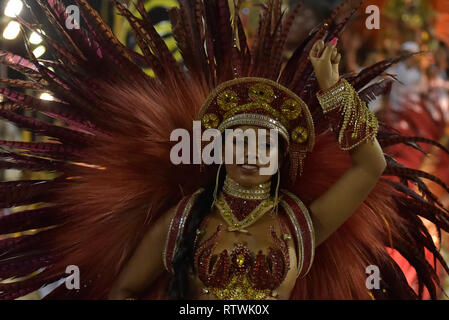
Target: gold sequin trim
[
  {"x": 356, "y": 115},
  {"x": 227, "y": 100},
  {"x": 210, "y": 121},
  {"x": 256, "y": 120},
  {"x": 227, "y": 84},
  {"x": 259, "y": 192},
  {"x": 240, "y": 288},
  {"x": 298, "y": 238},
  {"x": 182, "y": 222},
  {"x": 261, "y": 93},
  {"x": 233, "y": 223},
  {"x": 299, "y": 135},
  {"x": 311, "y": 230},
  {"x": 291, "y": 109},
  {"x": 254, "y": 106}
]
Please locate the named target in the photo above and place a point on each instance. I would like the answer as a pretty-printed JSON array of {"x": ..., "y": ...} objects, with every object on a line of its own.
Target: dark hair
[{"x": 183, "y": 259}]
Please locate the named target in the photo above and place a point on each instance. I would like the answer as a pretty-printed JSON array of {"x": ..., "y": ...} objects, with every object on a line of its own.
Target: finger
[
  {"x": 327, "y": 52},
  {"x": 334, "y": 54},
  {"x": 337, "y": 59},
  {"x": 316, "y": 49},
  {"x": 314, "y": 61},
  {"x": 336, "y": 64},
  {"x": 313, "y": 51}
]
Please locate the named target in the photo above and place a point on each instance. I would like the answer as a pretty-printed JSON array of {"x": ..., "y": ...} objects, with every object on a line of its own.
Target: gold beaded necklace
[{"x": 259, "y": 192}]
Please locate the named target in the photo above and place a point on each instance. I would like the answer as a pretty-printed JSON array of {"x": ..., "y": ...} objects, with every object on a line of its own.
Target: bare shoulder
[
  {"x": 162, "y": 224},
  {"x": 146, "y": 262},
  {"x": 167, "y": 216}
]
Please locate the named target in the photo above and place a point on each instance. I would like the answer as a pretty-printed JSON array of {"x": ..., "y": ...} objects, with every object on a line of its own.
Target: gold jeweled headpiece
[{"x": 265, "y": 103}]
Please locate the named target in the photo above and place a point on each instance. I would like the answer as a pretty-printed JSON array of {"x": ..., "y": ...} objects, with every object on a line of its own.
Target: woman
[
  {"x": 244, "y": 183},
  {"x": 308, "y": 231}
]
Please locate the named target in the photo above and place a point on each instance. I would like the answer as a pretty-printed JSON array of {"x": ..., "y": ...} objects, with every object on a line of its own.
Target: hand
[{"x": 325, "y": 63}]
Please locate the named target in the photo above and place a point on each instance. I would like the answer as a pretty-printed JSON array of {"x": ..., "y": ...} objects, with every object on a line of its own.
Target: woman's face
[{"x": 258, "y": 150}]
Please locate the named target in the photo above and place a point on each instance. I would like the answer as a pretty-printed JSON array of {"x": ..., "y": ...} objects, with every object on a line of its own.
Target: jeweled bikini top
[{"x": 242, "y": 274}]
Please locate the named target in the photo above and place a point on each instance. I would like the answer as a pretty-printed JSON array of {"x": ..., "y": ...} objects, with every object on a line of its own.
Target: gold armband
[{"x": 349, "y": 117}]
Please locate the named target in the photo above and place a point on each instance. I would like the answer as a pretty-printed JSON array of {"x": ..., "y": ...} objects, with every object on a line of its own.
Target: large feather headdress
[{"x": 110, "y": 158}]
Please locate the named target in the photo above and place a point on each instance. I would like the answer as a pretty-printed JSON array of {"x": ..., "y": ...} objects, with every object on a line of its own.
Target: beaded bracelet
[{"x": 349, "y": 117}]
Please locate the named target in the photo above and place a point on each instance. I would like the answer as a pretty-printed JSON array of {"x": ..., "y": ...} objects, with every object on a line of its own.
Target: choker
[
  {"x": 258, "y": 192},
  {"x": 240, "y": 207}
]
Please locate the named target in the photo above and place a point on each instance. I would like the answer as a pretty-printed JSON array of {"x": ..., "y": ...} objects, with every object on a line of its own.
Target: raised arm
[
  {"x": 355, "y": 128},
  {"x": 146, "y": 263}
]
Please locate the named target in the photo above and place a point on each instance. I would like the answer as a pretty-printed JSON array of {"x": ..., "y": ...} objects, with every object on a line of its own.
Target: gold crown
[{"x": 260, "y": 102}]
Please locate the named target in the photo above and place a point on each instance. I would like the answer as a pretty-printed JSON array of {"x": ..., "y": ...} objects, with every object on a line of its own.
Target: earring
[
  {"x": 216, "y": 185},
  {"x": 276, "y": 194}
]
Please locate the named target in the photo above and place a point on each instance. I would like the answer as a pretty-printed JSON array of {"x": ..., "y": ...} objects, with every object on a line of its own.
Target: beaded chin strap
[
  {"x": 216, "y": 185},
  {"x": 276, "y": 195}
]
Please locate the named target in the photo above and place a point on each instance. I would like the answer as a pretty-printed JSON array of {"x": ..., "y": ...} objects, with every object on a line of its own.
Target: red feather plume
[{"x": 112, "y": 157}]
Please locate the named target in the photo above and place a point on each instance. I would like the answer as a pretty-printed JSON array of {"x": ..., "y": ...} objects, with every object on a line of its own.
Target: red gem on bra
[{"x": 263, "y": 271}]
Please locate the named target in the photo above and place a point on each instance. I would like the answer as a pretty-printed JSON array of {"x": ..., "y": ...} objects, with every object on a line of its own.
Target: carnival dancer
[{"x": 120, "y": 209}]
